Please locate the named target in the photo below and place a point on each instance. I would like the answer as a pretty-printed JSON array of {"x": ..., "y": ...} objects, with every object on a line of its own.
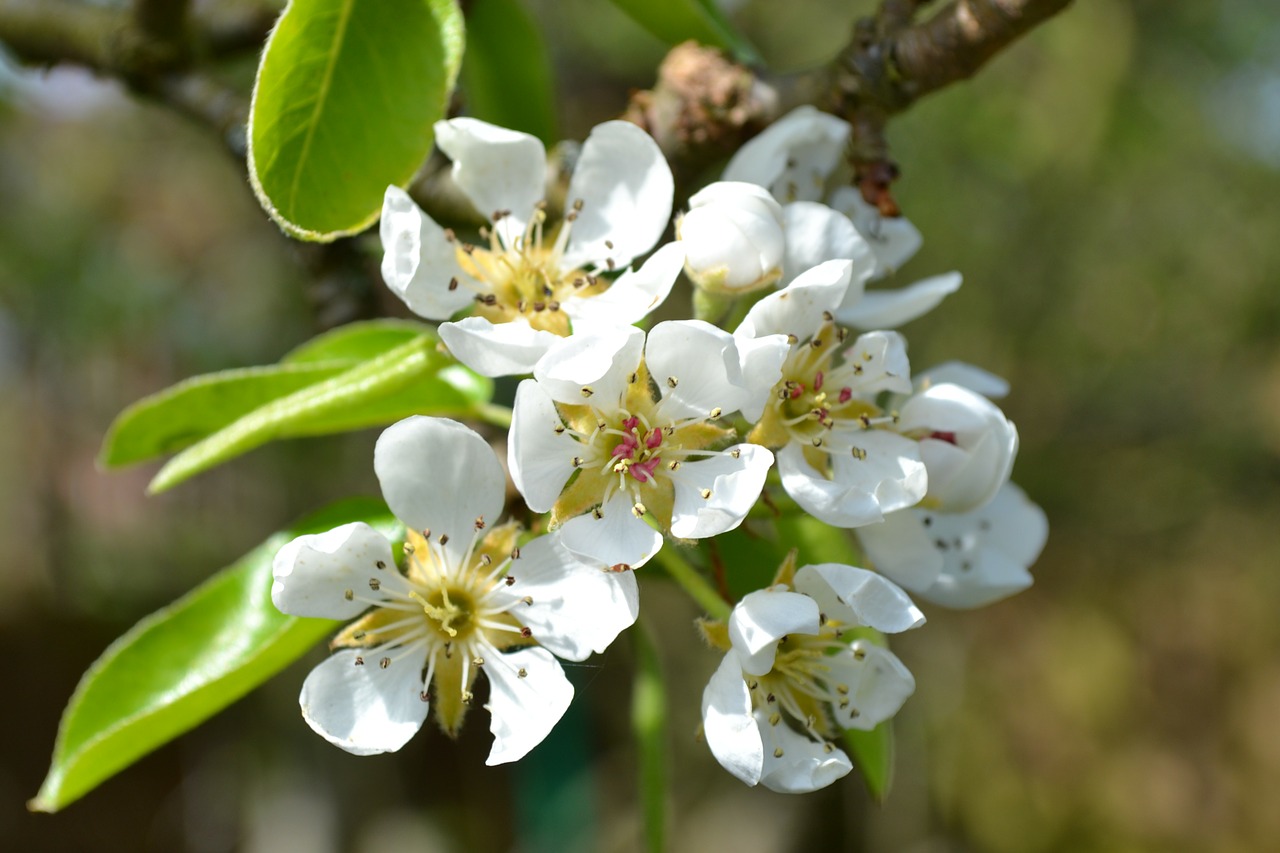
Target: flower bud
[
  {"x": 733, "y": 237},
  {"x": 966, "y": 442}
]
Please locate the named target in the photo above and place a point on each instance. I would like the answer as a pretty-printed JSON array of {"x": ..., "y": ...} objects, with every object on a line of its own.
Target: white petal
[
  {"x": 365, "y": 709},
  {"x": 631, "y": 296},
  {"x": 505, "y": 349},
  {"x": 797, "y": 308},
  {"x": 524, "y": 709},
  {"x": 893, "y": 239},
  {"x": 417, "y": 261},
  {"x": 859, "y": 597},
  {"x": 626, "y": 188},
  {"x": 313, "y": 573},
  {"x": 878, "y": 685},
  {"x": 578, "y": 607},
  {"x": 886, "y": 309},
  {"x": 540, "y": 459},
  {"x": 701, "y": 362},
  {"x": 440, "y": 475},
  {"x": 731, "y": 485},
  {"x": 890, "y": 476},
  {"x": 883, "y": 356},
  {"x": 804, "y": 765},
  {"x": 965, "y": 375},
  {"x": 498, "y": 169},
  {"x": 762, "y": 359},
  {"x": 817, "y": 233},
  {"x": 616, "y": 537},
  {"x": 793, "y": 156},
  {"x": 986, "y": 577},
  {"x": 900, "y": 547},
  {"x": 727, "y": 723},
  {"x": 969, "y": 445},
  {"x": 734, "y": 237},
  {"x": 764, "y": 617},
  {"x": 591, "y": 368}
]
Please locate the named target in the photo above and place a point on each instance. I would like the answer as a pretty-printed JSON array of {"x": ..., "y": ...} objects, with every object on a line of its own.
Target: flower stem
[
  {"x": 649, "y": 725},
  {"x": 493, "y": 413},
  {"x": 698, "y": 587}
]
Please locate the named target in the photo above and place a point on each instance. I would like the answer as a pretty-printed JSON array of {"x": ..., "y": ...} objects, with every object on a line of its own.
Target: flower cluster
[{"x": 623, "y": 442}]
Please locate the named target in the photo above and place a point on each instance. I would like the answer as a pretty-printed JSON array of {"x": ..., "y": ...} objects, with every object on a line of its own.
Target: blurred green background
[{"x": 1108, "y": 188}]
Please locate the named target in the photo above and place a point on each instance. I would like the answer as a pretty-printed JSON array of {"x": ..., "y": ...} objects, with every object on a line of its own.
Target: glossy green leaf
[
  {"x": 674, "y": 21},
  {"x": 343, "y": 104},
  {"x": 357, "y": 341},
  {"x": 872, "y": 752},
  {"x": 506, "y": 74},
  {"x": 358, "y": 396},
  {"x": 184, "y": 663}
]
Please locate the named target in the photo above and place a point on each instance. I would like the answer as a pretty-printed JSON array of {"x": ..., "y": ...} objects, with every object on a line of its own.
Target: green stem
[
  {"x": 493, "y": 413},
  {"x": 649, "y": 725},
  {"x": 692, "y": 581}
]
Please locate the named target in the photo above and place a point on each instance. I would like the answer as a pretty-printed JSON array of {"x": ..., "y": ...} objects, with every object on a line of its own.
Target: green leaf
[
  {"x": 343, "y": 104},
  {"x": 649, "y": 725},
  {"x": 873, "y": 753},
  {"x": 359, "y": 341},
  {"x": 506, "y": 74},
  {"x": 184, "y": 663},
  {"x": 404, "y": 380},
  {"x": 818, "y": 541},
  {"x": 674, "y": 21}
]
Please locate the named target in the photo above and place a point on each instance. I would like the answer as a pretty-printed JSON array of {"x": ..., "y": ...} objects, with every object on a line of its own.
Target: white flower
[
  {"x": 733, "y": 238},
  {"x": 613, "y": 430},
  {"x": 789, "y": 684},
  {"x": 799, "y": 159},
  {"x": 530, "y": 286},
  {"x": 467, "y": 601},
  {"x": 961, "y": 560},
  {"x": 967, "y": 444},
  {"x": 842, "y": 458}
]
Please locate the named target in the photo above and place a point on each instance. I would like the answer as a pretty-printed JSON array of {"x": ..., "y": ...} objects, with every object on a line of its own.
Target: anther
[
  {"x": 528, "y": 600},
  {"x": 375, "y": 584},
  {"x": 596, "y": 513},
  {"x": 608, "y": 244},
  {"x": 672, "y": 382},
  {"x": 587, "y": 391},
  {"x": 634, "y": 377},
  {"x": 577, "y": 462},
  {"x": 349, "y": 594},
  {"x": 553, "y": 306},
  {"x": 715, "y": 413},
  {"x": 478, "y": 661},
  {"x": 359, "y": 661},
  {"x": 449, "y": 236},
  {"x": 479, "y": 522},
  {"x": 777, "y": 753},
  {"x": 706, "y": 494},
  {"x": 559, "y": 429},
  {"x": 859, "y": 654},
  {"x": 384, "y": 663},
  {"x": 486, "y": 559},
  {"x": 608, "y": 262},
  {"x": 792, "y": 340},
  {"x": 673, "y": 465},
  {"x": 424, "y": 696},
  {"x": 771, "y": 698},
  {"x": 736, "y": 452},
  {"x": 453, "y": 284},
  {"x": 515, "y": 553},
  {"x": 444, "y": 538},
  {"x": 775, "y": 718},
  {"x": 526, "y": 632},
  {"x": 638, "y": 510},
  {"x": 539, "y": 307},
  {"x": 467, "y": 696},
  {"x": 359, "y": 635},
  {"x": 380, "y": 564},
  {"x": 858, "y": 453},
  {"x": 522, "y": 672},
  {"x": 828, "y": 316},
  {"x": 577, "y": 205}
]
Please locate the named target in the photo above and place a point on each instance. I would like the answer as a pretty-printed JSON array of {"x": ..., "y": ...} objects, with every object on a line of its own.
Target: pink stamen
[
  {"x": 948, "y": 437},
  {"x": 631, "y": 423},
  {"x": 797, "y": 391},
  {"x": 643, "y": 471},
  {"x": 654, "y": 439},
  {"x": 817, "y": 381},
  {"x": 846, "y": 394}
]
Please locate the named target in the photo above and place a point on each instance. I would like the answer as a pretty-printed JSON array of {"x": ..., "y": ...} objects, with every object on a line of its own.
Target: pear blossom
[
  {"x": 468, "y": 600},
  {"x": 617, "y": 430},
  {"x": 792, "y": 679},
  {"x": 842, "y": 457},
  {"x": 733, "y": 238},
  {"x": 532, "y": 284},
  {"x": 799, "y": 160},
  {"x": 961, "y": 560}
]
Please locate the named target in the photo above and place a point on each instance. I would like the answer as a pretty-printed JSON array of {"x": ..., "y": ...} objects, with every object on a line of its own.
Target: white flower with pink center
[
  {"x": 799, "y": 158},
  {"x": 616, "y": 431},
  {"x": 532, "y": 284},
  {"x": 842, "y": 457},
  {"x": 791, "y": 679},
  {"x": 467, "y": 599}
]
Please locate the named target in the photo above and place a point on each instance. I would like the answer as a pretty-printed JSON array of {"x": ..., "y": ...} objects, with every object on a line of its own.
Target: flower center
[
  {"x": 527, "y": 278},
  {"x": 452, "y": 614},
  {"x": 800, "y": 688}
]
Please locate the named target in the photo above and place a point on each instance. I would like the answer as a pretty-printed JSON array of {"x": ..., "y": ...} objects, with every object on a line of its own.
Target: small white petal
[
  {"x": 762, "y": 359},
  {"x": 965, "y": 375},
  {"x": 794, "y": 156},
  {"x": 883, "y": 356},
  {"x": 889, "y": 476},
  {"x": 365, "y": 709},
  {"x": 804, "y": 765},
  {"x": 887, "y": 309},
  {"x": 626, "y": 188},
  {"x": 540, "y": 459},
  {"x": 859, "y": 597},
  {"x": 616, "y": 537},
  {"x": 524, "y": 709},
  {"x": 631, "y": 296},
  {"x": 578, "y": 607},
  {"x": 703, "y": 361},
  {"x": 440, "y": 475},
  {"x": 878, "y": 685},
  {"x": 731, "y": 485},
  {"x": 498, "y": 169},
  {"x": 727, "y": 723},
  {"x": 797, "y": 308},
  {"x": 734, "y": 237},
  {"x": 990, "y": 577},
  {"x": 417, "y": 261},
  {"x": 764, "y": 617},
  {"x": 600, "y": 361},
  {"x": 817, "y": 233},
  {"x": 505, "y": 349},
  {"x": 893, "y": 239},
  {"x": 313, "y": 573},
  {"x": 900, "y": 547}
]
